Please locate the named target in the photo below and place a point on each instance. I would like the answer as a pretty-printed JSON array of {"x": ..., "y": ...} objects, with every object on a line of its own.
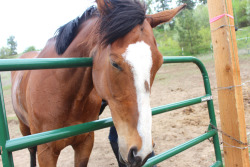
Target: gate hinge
[{"x": 206, "y": 98}]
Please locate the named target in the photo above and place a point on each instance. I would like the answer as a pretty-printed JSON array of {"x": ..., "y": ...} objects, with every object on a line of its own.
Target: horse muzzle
[{"x": 133, "y": 160}]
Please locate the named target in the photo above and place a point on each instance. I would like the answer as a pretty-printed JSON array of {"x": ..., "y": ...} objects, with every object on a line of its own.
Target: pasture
[{"x": 174, "y": 82}]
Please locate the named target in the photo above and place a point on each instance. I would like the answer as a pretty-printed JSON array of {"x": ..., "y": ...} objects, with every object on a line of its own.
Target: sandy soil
[{"x": 174, "y": 82}]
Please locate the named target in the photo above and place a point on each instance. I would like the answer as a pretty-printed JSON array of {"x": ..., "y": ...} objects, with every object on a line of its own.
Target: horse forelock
[
  {"x": 66, "y": 33},
  {"x": 119, "y": 18}
]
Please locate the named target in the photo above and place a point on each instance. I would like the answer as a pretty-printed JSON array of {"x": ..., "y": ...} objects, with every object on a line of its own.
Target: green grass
[
  {"x": 12, "y": 118},
  {"x": 243, "y": 32},
  {"x": 7, "y": 87},
  {"x": 11, "y": 57},
  {"x": 5, "y": 75},
  {"x": 6, "y": 83},
  {"x": 244, "y": 35}
]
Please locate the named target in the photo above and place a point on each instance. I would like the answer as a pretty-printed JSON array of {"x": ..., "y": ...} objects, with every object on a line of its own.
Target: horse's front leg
[
  {"x": 47, "y": 155},
  {"x": 83, "y": 148}
]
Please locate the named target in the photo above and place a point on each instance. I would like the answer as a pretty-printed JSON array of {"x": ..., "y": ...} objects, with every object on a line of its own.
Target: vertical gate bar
[
  {"x": 215, "y": 137},
  {"x": 7, "y": 158},
  {"x": 211, "y": 111},
  {"x": 208, "y": 91}
]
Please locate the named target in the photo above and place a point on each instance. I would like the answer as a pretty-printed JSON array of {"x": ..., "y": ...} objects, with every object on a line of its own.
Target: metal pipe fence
[{"x": 7, "y": 145}]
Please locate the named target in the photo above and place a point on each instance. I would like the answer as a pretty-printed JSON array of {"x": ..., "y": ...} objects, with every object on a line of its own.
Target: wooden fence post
[{"x": 228, "y": 74}]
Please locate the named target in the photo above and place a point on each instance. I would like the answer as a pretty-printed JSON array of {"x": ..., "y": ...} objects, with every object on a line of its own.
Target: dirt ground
[{"x": 174, "y": 82}]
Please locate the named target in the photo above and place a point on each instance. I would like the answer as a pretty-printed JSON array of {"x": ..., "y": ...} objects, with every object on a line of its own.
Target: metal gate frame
[{"x": 7, "y": 146}]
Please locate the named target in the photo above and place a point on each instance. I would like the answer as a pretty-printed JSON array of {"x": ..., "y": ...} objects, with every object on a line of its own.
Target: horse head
[{"x": 124, "y": 67}]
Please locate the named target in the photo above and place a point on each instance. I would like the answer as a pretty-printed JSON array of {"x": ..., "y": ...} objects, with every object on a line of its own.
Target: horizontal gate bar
[
  {"x": 44, "y": 137},
  {"x": 43, "y": 63},
  {"x": 180, "y": 104},
  {"x": 52, "y": 63},
  {"x": 165, "y": 155},
  {"x": 184, "y": 59}
]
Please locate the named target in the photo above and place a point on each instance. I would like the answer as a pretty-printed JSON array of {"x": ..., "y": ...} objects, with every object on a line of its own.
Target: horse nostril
[{"x": 132, "y": 158}]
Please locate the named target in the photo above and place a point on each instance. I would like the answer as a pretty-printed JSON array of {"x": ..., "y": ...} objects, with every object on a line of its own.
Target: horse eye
[{"x": 114, "y": 64}]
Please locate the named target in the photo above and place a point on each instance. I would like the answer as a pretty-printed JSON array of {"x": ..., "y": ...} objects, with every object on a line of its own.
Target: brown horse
[{"x": 119, "y": 37}]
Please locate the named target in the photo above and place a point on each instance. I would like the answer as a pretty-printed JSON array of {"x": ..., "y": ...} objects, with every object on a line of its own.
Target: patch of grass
[
  {"x": 243, "y": 38},
  {"x": 4, "y": 75},
  {"x": 12, "y": 118},
  {"x": 7, "y": 87},
  {"x": 243, "y": 32},
  {"x": 11, "y": 57}
]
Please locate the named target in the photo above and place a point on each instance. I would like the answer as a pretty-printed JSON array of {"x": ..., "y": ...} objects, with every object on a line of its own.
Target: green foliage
[
  {"x": 12, "y": 44},
  {"x": 241, "y": 13},
  {"x": 188, "y": 33},
  {"x": 190, "y": 3},
  {"x": 4, "y": 52},
  {"x": 167, "y": 42},
  {"x": 192, "y": 30},
  {"x": 201, "y": 15},
  {"x": 162, "y": 5},
  {"x": 169, "y": 47},
  {"x": 29, "y": 49},
  {"x": 205, "y": 44}
]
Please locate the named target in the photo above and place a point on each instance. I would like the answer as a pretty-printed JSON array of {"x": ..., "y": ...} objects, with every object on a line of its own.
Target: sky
[{"x": 33, "y": 22}]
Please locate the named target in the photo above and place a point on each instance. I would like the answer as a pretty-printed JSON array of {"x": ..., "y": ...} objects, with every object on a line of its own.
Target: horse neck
[
  {"x": 85, "y": 41},
  {"x": 81, "y": 46}
]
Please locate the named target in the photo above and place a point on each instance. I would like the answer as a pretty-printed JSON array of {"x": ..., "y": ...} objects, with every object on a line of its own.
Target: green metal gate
[{"x": 7, "y": 146}]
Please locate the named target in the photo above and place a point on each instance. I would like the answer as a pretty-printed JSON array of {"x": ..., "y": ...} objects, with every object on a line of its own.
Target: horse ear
[
  {"x": 164, "y": 16},
  {"x": 102, "y": 5}
]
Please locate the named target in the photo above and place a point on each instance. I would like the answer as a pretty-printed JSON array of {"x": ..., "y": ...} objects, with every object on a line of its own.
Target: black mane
[
  {"x": 67, "y": 32},
  {"x": 119, "y": 18}
]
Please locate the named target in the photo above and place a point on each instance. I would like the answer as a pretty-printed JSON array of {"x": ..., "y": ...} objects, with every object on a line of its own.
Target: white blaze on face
[{"x": 139, "y": 57}]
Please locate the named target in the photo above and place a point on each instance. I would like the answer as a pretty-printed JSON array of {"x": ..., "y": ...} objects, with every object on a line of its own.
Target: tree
[
  {"x": 188, "y": 36},
  {"x": 149, "y": 4},
  {"x": 201, "y": 15},
  {"x": 12, "y": 44},
  {"x": 241, "y": 13},
  {"x": 203, "y": 1},
  {"x": 190, "y": 3},
  {"x": 4, "y": 52},
  {"x": 29, "y": 49},
  {"x": 162, "y": 5}
]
